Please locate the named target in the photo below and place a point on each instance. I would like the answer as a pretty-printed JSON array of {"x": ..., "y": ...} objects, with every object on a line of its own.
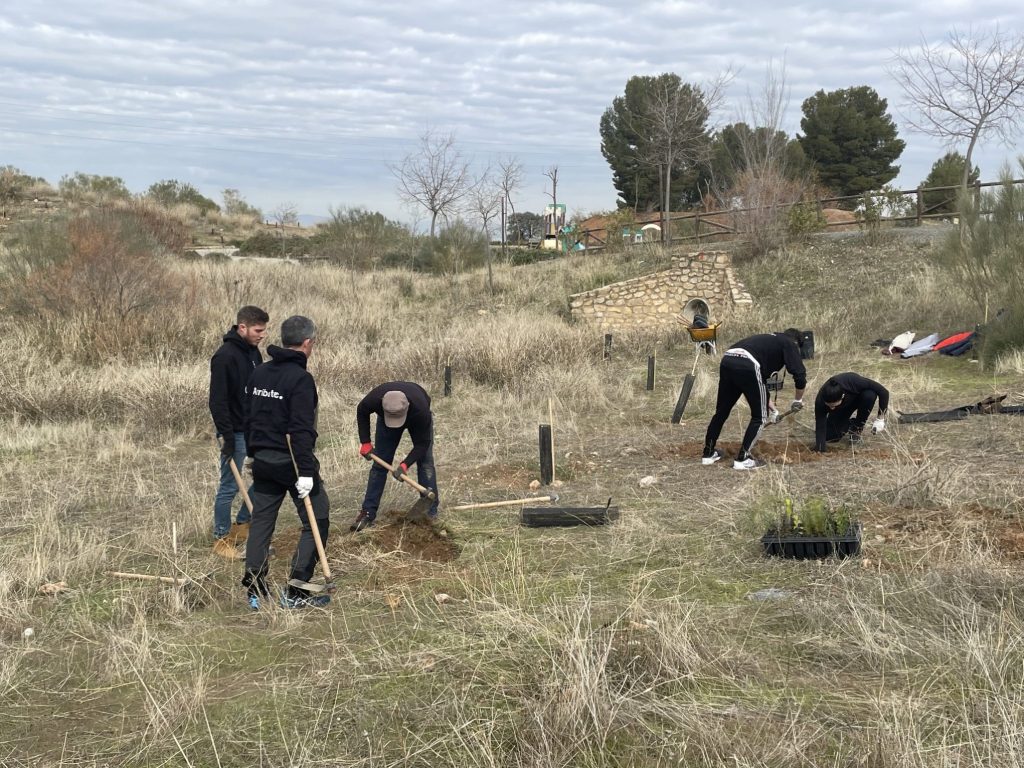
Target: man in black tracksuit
[
  {"x": 743, "y": 371},
  {"x": 400, "y": 406},
  {"x": 282, "y": 405},
  {"x": 843, "y": 406},
  {"x": 230, "y": 368}
]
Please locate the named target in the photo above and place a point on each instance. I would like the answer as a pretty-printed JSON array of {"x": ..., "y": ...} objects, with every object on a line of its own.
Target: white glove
[
  {"x": 798, "y": 405},
  {"x": 773, "y": 414},
  {"x": 304, "y": 485},
  {"x": 878, "y": 425}
]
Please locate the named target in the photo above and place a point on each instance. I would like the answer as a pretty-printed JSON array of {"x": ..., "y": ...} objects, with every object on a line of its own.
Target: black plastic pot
[{"x": 813, "y": 547}]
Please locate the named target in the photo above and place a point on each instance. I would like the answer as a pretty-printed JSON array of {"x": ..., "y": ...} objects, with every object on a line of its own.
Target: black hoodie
[
  {"x": 282, "y": 400},
  {"x": 230, "y": 368}
]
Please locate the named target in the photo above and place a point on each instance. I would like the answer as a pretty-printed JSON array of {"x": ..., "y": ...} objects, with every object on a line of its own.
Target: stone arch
[{"x": 693, "y": 307}]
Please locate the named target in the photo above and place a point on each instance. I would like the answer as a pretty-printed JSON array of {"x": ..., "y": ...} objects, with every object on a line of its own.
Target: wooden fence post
[
  {"x": 447, "y": 380},
  {"x": 920, "y": 205},
  {"x": 607, "y": 346},
  {"x": 650, "y": 373}
]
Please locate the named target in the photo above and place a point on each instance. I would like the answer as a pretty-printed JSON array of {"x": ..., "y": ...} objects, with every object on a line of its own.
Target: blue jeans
[
  {"x": 227, "y": 490},
  {"x": 385, "y": 444}
]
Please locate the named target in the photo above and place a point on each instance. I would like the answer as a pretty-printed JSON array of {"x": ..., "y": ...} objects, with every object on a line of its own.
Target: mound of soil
[
  {"x": 393, "y": 532},
  {"x": 776, "y": 453},
  {"x": 420, "y": 537}
]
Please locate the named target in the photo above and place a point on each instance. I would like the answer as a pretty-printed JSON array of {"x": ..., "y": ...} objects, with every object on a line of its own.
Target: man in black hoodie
[
  {"x": 744, "y": 369},
  {"x": 843, "y": 406},
  {"x": 282, "y": 406},
  {"x": 400, "y": 406},
  {"x": 230, "y": 368}
]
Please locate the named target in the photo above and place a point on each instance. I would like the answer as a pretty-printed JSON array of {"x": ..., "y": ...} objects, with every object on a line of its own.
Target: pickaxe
[{"x": 508, "y": 503}]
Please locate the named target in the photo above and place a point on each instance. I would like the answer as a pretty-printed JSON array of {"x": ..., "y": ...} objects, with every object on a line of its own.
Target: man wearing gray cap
[{"x": 400, "y": 406}]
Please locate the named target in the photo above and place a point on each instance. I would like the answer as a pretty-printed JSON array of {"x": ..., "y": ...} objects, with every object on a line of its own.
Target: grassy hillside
[{"x": 482, "y": 643}]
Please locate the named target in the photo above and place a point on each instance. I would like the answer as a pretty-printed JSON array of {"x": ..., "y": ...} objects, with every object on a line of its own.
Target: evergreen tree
[
  {"x": 659, "y": 121},
  {"x": 947, "y": 171},
  {"x": 851, "y": 139}
]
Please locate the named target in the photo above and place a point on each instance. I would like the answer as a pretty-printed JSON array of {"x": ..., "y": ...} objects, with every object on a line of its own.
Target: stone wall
[{"x": 659, "y": 298}]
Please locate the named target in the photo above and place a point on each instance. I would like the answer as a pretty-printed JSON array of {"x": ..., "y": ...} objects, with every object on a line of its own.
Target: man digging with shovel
[
  {"x": 281, "y": 436},
  {"x": 230, "y": 368},
  {"x": 400, "y": 406},
  {"x": 744, "y": 369}
]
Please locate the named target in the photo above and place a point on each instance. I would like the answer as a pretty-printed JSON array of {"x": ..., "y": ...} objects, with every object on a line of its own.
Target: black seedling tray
[
  {"x": 546, "y": 517},
  {"x": 813, "y": 547}
]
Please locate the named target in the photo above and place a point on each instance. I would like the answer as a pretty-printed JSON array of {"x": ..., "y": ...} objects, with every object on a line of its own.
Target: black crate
[
  {"x": 807, "y": 347},
  {"x": 813, "y": 547},
  {"x": 545, "y": 517}
]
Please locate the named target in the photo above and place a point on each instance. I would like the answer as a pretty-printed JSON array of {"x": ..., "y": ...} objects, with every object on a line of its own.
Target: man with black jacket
[
  {"x": 280, "y": 433},
  {"x": 400, "y": 406},
  {"x": 843, "y": 406},
  {"x": 230, "y": 368},
  {"x": 744, "y": 369}
]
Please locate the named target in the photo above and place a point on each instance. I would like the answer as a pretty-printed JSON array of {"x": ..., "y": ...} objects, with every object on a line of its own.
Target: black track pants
[{"x": 738, "y": 376}]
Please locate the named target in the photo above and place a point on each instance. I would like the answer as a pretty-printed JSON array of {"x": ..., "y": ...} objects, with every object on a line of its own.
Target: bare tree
[
  {"x": 673, "y": 131},
  {"x": 966, "y": 90},
  {"x": 510, "y": 175},
  {"x": 435, "y": 177},
  {"x": 285, "y": 215},
  {"x": 765, "y": 182},
  {"x": 486, "y": 196}
]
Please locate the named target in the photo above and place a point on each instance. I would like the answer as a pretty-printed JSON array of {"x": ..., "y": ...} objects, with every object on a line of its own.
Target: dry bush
[
  {"x": 763, "y": 222},
  {"x": 98, "y": 285}
]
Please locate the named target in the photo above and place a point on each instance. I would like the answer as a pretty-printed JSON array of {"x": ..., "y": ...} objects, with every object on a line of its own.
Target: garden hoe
[
  {"x": 419, "y": 510},
  {"x": 782, "y": 416},
  {"x": 328, "y": 585}
]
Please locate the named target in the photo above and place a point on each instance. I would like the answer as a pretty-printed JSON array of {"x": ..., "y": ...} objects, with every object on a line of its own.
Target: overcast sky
[{"x": 309, "y": 101}]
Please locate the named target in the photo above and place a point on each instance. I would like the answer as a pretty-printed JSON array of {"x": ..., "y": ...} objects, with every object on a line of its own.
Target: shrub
[
  {"x": 361, "y": 239},
  {"x": 274, "y": 245},
  {"x": 87, "y": 187},
  {"x": 95, "y": 286}
]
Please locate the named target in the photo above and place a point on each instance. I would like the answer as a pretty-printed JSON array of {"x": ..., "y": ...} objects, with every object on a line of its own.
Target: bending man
[
  {"x": 400, "y": 406},
  {"x": 743, "y": 371},
  {"x": 843, "y": 406}
]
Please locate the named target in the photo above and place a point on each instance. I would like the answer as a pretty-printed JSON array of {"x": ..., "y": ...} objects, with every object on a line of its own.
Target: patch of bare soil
[
  {"x": 394, "y": 533},
  {"x": 1000, "y": 529},
  {"x": 776, "y": 453}
]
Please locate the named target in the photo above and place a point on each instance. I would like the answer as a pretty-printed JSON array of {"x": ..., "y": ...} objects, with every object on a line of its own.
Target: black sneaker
[
  {"x": 305, "y": 601},
  {"x": 363, "y": 520}
]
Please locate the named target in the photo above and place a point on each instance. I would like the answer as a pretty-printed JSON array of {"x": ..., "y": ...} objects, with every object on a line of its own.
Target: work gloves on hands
[
  {"x": 773, "y": 414},
  {"x": 365, "y": 449},
  {"x": 398, "y": 471},
  {"x": 798, "y": 405},
  {"x": 877, "y": 426},
  {"x": 227, "y": 448},
  {"x": 304, "y": 485}
]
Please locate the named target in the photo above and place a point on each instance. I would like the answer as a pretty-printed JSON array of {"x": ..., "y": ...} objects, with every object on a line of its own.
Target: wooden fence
[{"x": 714, "y": 226}]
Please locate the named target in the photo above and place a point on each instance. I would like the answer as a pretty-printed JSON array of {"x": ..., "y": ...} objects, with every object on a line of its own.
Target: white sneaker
[
  {"x": 709, "y": 460},
  {"x": 748, "y": 463}
]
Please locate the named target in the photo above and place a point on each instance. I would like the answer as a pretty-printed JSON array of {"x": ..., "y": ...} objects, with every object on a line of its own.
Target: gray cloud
[{"x": 309, "y": 102}]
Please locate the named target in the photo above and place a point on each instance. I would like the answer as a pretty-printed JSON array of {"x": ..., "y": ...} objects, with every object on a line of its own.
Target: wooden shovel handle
[
  {"x": 405, "y": 477},
  {"x": 149, "y": 577},
  {"x": 509, "y": 503},
  {"x": 241, "y": 486},
  {"x": 312, "y": 518}
]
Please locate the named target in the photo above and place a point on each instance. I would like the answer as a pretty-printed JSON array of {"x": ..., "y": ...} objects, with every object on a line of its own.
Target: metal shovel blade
[
  {"x": 311, "y": 587},
  {"x": 420, "y": 511}
]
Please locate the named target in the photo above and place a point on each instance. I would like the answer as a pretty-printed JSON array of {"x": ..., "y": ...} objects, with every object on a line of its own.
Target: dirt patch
[
  {"x": 776, "y": 453},
  {"x": 393, "y": 534}
]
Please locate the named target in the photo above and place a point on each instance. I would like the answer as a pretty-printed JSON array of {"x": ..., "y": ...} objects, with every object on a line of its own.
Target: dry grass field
[{"x": 482, "y": 643}]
